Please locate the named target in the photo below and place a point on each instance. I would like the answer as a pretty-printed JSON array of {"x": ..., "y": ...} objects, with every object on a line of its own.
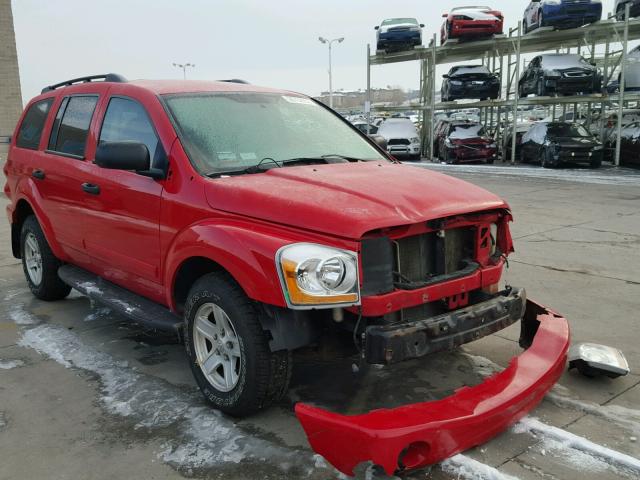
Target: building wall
[{"x": 10, "y": 95}]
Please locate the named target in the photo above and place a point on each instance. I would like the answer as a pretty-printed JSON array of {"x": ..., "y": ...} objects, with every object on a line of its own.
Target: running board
[{"x": 135, "y": 307}]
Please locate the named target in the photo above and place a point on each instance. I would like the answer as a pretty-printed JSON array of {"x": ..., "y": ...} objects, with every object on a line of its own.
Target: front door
[{"x": 121, "y": 229}]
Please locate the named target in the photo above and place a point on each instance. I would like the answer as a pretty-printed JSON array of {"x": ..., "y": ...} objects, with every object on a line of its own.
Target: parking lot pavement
[{"x": 85, "y": 394}]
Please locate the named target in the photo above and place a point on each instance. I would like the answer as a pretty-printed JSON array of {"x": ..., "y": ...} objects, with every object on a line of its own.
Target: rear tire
[
  {"x": 229, "y": 351},
  {"x": 39, "y": 264},
  {"x": 540, "y": 90},
  {"x": 544, "y": 163},
  {"x": 596, "y": 163}
]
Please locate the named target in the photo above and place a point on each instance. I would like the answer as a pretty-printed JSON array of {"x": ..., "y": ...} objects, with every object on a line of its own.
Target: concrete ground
[{"x": 85, "y": 394}]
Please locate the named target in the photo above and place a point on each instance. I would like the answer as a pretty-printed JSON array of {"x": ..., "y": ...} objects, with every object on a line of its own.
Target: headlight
[
  {"x": 492, "y": 145},
  {"x": 456, "y": 82},
  {"x": 598, "y": 147},
  {"x": 553, "y": 74},
  {"x": 318, "y": 276},
  {"x": 414, "y": 140},
  {"x": 448, "y": 143}
]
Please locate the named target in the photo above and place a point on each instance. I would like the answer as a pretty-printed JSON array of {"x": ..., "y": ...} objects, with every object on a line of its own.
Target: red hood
[{"x": 348, "y": 200}]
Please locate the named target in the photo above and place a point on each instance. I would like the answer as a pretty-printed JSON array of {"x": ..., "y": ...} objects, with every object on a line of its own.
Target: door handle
[
  {"x": 91, "y": 188},
  {"x": 39, "y": 174}
]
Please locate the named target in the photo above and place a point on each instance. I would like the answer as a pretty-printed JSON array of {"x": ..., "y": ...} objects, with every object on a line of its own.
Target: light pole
[
  {"x": 330, "y": 42},
  {"x": 184, "y": 68}
]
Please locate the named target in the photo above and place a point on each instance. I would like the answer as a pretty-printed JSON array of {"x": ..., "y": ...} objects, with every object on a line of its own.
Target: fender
[
  {"x": 247, "y": 253},
  {"x": 25, "y": 190}
]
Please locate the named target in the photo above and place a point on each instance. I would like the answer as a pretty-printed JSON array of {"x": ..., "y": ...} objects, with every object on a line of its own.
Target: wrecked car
[{"x": 250, "y": 220}]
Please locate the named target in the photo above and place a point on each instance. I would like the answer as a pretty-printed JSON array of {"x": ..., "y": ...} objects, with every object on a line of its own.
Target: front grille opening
[{"x": 421, "y": 257}]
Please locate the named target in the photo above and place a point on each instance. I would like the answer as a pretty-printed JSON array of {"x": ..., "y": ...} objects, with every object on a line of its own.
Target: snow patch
[
  {"x": 21, "y": 317},
  {"x": 204, "y": 436},
  {"x": 89, "y": 287},
  {"x": 574, "y": 448},
  {"x": 98, "y": 314},
  {"x": 9, "y": 364},
  {"x": 463, "y": 467}
]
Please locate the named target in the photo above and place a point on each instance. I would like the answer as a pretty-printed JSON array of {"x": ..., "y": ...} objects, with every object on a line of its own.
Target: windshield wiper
[
  {"x": 330, "y": 158},
  {"x": 266, "y": 163}
]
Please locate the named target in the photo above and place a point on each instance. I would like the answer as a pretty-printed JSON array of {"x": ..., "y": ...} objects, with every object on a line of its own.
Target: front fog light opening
[{"x": 593, "y": 360}]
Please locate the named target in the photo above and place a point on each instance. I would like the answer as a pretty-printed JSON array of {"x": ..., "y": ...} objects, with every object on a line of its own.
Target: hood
[
  {"x": 350, "y": 199},
  {"x": 573, "y": 142},
  {"x": 399, "y": 27},
  {"x": 475, "y": 14}
]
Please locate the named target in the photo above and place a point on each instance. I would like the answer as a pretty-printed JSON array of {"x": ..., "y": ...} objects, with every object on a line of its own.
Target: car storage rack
[
  {"x": 503, "y": 56},
  {"x": 108, "y": 77}
]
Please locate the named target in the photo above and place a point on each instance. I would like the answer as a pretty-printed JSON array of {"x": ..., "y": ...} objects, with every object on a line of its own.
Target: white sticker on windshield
[
  {"x": 248, "y": 156},
  {"x": 299, "y": 100}
]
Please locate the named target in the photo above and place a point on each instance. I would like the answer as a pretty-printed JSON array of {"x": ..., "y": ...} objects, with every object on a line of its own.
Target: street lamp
[
  {"x": 184, "y": 68},
  {"x": 330, "y": 42}
]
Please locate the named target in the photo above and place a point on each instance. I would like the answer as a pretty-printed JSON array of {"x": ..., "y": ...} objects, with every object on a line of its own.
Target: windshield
[
  {"x": 399, "y": 21},
  {"x": 566, "y": 130},
  {"x": 229, "y": 132},
  {"x": 467, "y": 131},
  {"x": 470, "y": 70},
  {"x": 564, "y": 61}
]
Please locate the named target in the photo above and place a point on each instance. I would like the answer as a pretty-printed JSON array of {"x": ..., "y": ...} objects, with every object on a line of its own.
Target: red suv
[{"x": 255, "y": 222}]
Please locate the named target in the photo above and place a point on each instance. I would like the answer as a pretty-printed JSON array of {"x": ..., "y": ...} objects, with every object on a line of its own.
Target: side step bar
[{"x": 135, "y": 307}]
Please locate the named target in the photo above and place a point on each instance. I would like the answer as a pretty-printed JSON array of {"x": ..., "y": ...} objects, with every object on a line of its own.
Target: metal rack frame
[{"x": 507, "y": 50}]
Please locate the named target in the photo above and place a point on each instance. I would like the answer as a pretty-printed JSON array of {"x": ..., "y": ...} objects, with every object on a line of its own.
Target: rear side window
[
  {"x": 71, "y": 128},
  {"x": 33, "y": 124},
  {"x": 127, "y": 120}
]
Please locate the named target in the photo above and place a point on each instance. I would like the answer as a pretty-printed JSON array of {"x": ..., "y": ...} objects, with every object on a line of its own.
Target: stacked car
[
  {"x": 561, "y": 14},
  {"x": 469, "y": 23},
  {"x": 470, "y": 81},
  {"x": 397, "y": 34},
  {"x": 559, "y": 74},
  {"x": 464, "y": 142}
]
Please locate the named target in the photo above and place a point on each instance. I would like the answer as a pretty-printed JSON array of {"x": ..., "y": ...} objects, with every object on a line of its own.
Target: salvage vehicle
[
  {"x": 466, "y": 142},
  {"x": 398, "y": 34},
  {"x": 254, "y": 222},
  {"x": 403, "y": 139},
  {"x": 629, "y": 145},
  {"x": 553, "y": 144},
  {"x": 468, "y": 23},
  {"x": 561, "y": 14},
  {"x": 559, "y": 74},
  {"x": 507, "y": 145},
  {"x": 620, "y": 8},
  {"x": 470, "y": 82}
]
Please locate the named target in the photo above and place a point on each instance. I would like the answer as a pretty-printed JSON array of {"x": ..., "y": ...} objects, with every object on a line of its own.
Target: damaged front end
[{"x": 421, "y": 434}]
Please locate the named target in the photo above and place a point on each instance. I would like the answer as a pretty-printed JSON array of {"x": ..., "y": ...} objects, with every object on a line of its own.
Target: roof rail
[
  {"x": 107, "y": 77},
  {"x": 235, "y": 80}
]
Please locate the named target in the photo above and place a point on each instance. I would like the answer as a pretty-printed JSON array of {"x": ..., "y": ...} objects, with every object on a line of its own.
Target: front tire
[
  {"x": 229, "y": 351},
  {"x": 39, "y": 264}
]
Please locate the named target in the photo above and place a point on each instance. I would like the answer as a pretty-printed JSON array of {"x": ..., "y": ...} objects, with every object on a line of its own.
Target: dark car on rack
[
  {"x": 559, "y": 74},
  {"x": 629, "y": 145},
  {"x": 621, "y": 6},
  {"x": 470, "y": 81},
  {"x": 553, "y": 144},
  {"x": 398, "y": 34},
  {"x": 462, "y": 142},
  {"x": 561, "y": 14}
]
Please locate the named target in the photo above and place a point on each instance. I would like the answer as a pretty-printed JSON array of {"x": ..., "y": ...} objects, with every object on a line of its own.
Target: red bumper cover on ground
[{"x": 421, "y": 434}]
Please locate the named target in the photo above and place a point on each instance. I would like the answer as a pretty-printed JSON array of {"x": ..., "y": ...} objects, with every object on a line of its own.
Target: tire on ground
[
  {"x": 50, "y": 287},
  {"x": 263, "y": 375}
]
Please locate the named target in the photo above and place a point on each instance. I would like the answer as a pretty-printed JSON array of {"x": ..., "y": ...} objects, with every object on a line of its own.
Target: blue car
[
  {"x": 561, "y": 14},
  {"x": 397, "y": 34}
]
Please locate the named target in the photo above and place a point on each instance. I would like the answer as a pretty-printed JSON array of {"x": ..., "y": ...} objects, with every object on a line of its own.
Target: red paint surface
[{"x": 434, "y": 431}]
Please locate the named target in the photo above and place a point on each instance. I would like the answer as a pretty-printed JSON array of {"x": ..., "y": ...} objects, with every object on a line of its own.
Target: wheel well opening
[
  {"x": 188, "y": 273},
  {"x": 22, "y": 211}
]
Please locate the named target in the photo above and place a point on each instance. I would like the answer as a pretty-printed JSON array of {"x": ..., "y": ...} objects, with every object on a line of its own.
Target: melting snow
[
  {"x": 9, "y": 364},
  {"x": 21, "y": 316},
  {"x": 463, "y": 467},
  {"x": 578, "y": 451},
  {"x": 206, "y": 437},
  {"x": 89, "y": 287}
]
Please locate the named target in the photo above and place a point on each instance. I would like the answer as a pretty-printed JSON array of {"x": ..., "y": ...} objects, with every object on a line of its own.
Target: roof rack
[
  {"x": 108, "y": 77},
  {"x": 235, "y": 80}
]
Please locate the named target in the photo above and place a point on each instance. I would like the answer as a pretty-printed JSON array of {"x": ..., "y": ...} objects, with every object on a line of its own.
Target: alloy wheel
[{"x": 33, "y": 258}]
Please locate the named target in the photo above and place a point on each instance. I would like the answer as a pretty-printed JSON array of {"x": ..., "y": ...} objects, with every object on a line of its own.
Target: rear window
[
  {"x": 31, "y": 128},
  {"x": 71, "y": 128}
]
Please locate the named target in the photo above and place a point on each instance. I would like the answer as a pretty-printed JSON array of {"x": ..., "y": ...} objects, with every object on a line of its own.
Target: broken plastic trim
[{"x": 421, "y": 434}]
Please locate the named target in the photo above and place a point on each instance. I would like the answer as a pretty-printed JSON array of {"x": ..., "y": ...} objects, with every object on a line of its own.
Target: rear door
[{"x": 122, "y": 224}]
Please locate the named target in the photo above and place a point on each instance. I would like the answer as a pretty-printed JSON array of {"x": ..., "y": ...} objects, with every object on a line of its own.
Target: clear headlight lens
[
  {"x": 456, "y": 82},
  {"x": 414, "y": 140},
  {"x": 318, "y": 276}
]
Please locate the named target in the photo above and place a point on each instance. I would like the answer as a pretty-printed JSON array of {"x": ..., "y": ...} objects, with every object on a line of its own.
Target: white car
[{"x": 403, "y": 140}]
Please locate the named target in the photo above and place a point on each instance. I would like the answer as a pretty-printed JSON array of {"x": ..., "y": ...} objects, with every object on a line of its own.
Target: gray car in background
[{"x": 403, "y": 140}]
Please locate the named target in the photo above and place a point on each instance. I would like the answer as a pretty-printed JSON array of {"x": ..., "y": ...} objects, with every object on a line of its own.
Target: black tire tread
[
  {"x": 51, "y": 288},
  {"x": 273, "y": 369}
]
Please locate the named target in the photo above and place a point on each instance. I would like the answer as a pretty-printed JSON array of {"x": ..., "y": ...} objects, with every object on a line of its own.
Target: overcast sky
[{"x": 273, "y": 43}]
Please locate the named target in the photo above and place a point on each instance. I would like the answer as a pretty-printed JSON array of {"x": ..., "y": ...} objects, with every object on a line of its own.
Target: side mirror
[
  {"x": 376, "y": 27},
  {"x": 131, "y": 156},
  {"x": 445, "y": 15},
  {"x": 380, "y": 141},
  {"x": 422, "y": 25},
  {"x": 446, "y": 75}
]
